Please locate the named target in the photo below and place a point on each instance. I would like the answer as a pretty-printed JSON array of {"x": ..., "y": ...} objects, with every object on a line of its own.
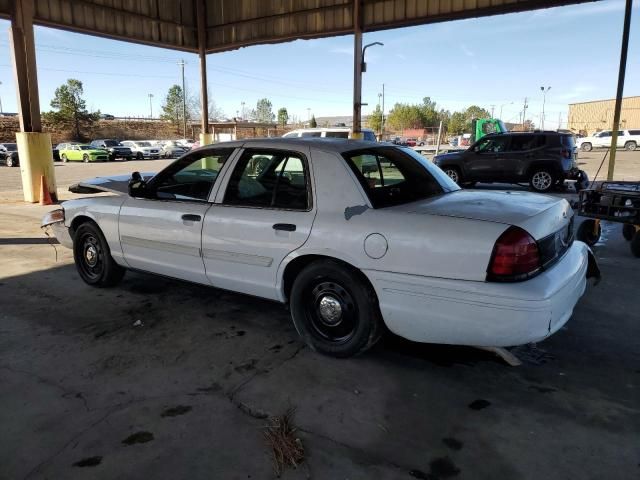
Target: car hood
[
  {"x": 448, "y": 155},
  {"x": 523, "y": 209},
  {"x": 114, "y": 184}
]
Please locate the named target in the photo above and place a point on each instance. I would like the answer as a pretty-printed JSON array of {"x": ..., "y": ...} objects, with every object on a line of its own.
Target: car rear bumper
[{"x": 435, "y": 310}]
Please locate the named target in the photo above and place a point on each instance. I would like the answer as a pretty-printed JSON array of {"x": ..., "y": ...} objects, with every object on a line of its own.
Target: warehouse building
[{"x": 590, "y": 117}]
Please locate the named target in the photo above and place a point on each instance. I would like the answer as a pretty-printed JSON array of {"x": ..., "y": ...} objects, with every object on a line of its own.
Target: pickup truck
[{"x": 627, "y": 139}]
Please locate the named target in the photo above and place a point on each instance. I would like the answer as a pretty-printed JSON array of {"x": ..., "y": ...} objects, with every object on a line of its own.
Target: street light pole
[
  {"x": 501, "y": 106},
  {"x": 360, "y": 66},
  {"x": 184, "y": 101},
  {"x": 150, "y": 106},
  {"x": 544, "y": 99},
  {"x": 383, "y": 108}
]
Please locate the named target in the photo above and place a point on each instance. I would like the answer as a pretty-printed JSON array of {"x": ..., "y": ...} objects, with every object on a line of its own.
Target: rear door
[{"x": 263, "y": 211}]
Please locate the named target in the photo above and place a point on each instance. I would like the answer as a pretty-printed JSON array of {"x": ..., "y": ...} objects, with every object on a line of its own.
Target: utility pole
[
  {"x": 559, "y": 120},
  {"x": 492, "y": 107},
  {"x": 181, "y": 63},
  {"x": 544, "y": 99},
  {"x": 308, "y": 114},
  {"x": 383, "y": 108},
  {"x": 242, "y": 111},
  {"x": 150, "y": 106},
  {"x": 524, "y": 113}
]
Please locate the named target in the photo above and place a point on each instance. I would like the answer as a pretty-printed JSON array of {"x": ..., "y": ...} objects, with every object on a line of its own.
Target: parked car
[
  {"x": 329, "y": 132},
  {"x": 349, "y": 249},
  {"x": 84, "y": 153},
  {"x": 9, "y": 154},
  {"x": 107, "y": 116},
  {"x": 172, "y": 149},
  {"x": 411, "y": 142},
  {"x": 114, "y": 147},
  {"x": 186, "y": 142},
  {"x": 627, "y": 139},
  {"x": 543, "y": 159},
  {"x": 142, "y": 149}
]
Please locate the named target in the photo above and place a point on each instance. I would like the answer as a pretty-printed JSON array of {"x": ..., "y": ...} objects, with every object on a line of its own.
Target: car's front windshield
[{"x": 393, "y": 175}]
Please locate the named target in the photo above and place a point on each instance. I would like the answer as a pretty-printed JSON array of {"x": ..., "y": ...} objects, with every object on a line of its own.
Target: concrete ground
[{"x": 186, "y": 394}]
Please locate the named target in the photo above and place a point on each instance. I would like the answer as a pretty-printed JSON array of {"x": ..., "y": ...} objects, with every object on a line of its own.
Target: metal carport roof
[{"x": 233, "y": 24}]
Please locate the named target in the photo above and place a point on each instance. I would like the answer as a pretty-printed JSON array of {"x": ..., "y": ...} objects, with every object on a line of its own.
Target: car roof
[{"x": 337, "y": 145}]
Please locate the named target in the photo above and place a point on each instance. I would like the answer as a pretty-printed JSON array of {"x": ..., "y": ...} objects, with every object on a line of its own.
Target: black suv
[
  {"x": 543, "y": 159},
  {"x": 115, "y": 149}
]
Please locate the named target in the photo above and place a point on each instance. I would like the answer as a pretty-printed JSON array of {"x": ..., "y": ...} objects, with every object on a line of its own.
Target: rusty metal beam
[
  {"x": 201, "y": 13},
  {"x": 357, "y": 67}
]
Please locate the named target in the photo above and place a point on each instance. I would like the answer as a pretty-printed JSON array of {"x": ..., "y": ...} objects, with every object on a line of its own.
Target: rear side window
[
  {"x": 269, "y": 179},
  {"x": 568, "y": 141},
  {"x": 520, "y": 143},
  {"x": 389, "y": 176},
  {"x": 634, "y": 132},
  {"x": 336, "y": 134}
]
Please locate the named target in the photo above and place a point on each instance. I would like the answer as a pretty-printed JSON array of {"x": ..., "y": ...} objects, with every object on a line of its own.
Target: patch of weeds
[{"x": 286, "y": 447}]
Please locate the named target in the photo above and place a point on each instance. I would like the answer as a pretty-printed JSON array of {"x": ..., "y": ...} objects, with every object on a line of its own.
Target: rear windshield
[{"x": 393, "y": 176}]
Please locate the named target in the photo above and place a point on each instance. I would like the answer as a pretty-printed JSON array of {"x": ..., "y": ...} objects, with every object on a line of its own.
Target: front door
[
  {"x": 162, "y": 232},
  {"x": 264, "y": 213}
]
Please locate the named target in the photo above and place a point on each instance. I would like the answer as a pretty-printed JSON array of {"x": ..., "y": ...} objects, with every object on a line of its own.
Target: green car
[{"x": 85, "y": 153}]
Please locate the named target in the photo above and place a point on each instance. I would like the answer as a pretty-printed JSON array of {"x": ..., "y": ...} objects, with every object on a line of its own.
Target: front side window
[
  {"x": 392, "y": 176},
  {"x": 190, "y": 178},
  {"x": 492, "y": 145},
  {"x": 269, "y": 179}
]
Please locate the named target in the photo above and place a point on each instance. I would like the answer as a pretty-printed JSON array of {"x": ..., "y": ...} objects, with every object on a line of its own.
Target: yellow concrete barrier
[
  {"x": 206, "y": 139},
  {"x": 36, "y": 160},
  {"x": 356, "y": 135}
]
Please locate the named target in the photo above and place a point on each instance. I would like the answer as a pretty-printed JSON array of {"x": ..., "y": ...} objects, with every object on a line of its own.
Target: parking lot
[{"x": 157, "y": 378}]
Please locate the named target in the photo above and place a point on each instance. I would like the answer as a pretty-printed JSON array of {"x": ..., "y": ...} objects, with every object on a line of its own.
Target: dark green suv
[{"x": 541, "y": 159}]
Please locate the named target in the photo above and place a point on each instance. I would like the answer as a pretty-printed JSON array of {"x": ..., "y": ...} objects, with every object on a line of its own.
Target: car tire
[
  {"x": 9, "y": 161},
  {"x": 630, "y": 146},
  {"x": 93, "y": 258},
  {"x": 542, "y": 180},
  {"x": 628, "y": 231},
  {"x": 139, "y": 156},
  {"x": 335, "y": 310},
  {"x": 64, "y": 158},
  {"x": 587, "y": 232},
  {"x": 586, "y": 147},
  {"x": 85, "y": 158},
  {"x": 635, "y": 245},
  {"x": 453, "y": 173}
]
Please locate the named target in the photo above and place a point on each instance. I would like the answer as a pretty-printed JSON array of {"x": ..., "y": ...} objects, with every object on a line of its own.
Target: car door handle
[
  {"x": 189, "y": 217},
  {"x": 287, "y": 227}
]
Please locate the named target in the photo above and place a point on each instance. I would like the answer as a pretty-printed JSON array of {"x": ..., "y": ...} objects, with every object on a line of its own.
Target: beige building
[{"x": 590, "y": 117}]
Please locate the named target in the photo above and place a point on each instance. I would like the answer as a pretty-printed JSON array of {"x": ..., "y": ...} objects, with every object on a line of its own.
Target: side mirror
[{"x": 137, "y": 186}]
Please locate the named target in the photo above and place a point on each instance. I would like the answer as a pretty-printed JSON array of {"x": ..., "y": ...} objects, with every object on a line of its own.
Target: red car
[{"x": 411, "y": 142}]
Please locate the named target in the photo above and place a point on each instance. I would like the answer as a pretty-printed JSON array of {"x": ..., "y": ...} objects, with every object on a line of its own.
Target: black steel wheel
[
  {"x": 93, "y": 258},
  {"x": 628, "y": 231},
  {"x": 335, "y": 309},
  {"x": 588, "y": 233}
]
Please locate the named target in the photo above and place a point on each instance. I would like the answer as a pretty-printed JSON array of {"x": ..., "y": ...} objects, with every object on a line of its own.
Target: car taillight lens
[{"x": 515, "y": 257}]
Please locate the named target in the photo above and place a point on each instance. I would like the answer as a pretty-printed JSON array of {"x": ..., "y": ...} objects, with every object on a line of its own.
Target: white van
[{"x": 330, "y": 132}]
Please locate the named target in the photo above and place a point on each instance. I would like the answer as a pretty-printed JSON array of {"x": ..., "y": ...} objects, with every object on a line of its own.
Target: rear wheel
[
  {"x": 542, "y": 180},
  {"x": 335, "y": 310},
  {"x": 139, "y": 156},
  {"x": 628, "y": 231},
  {"x": 453, "y": 173},
  {"x": 635, "y": 244},
  {"x": 631, "y": 146},
  {"x": 588, "y": 232},
  {"x": 93, "y": 257},
  {"x": 586, "y": 147},
  {"x": 64, "y": 158},
  {"x": 10, "y": 161}
]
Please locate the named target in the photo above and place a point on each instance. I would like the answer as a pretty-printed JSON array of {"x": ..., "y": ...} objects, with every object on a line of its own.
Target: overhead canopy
[{"x": 232, "y": 24}]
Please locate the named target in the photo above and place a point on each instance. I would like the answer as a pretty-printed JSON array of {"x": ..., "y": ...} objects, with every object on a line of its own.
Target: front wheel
[
  {"x": 93, "y": 257},
  {"x": 586, "y": 147},
  {"x": 85, "y": 158},
  {"x": 541, "y": 180},
  {"x": 630, "y": 146},
  {"x": 588, "y": 232},
  {"x": 139, "y": 156},
  {"x": 453, "y": 173},
  {"x": 335, "y": 310},
  {"x": 10, "y": 162}
]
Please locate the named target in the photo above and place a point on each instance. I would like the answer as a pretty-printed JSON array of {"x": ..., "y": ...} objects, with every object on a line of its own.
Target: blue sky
[{"x": 487, "y": 61}]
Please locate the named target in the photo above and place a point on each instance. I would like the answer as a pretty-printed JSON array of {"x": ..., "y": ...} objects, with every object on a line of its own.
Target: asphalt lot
[{"x": 87, "y": 394}]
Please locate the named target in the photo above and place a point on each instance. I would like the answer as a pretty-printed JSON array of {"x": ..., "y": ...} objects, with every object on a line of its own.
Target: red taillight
[{"x": 515, "y": 256}]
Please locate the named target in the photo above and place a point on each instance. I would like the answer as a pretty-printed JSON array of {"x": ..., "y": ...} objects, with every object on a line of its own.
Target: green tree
[
  {"x": 404, "y": 116},
  {"x": 173, "y": 106},
  {"x": 457, "y": 123},
  {"x": 462, "y": 122},
  {"x": 429, "y": 112},
  {"x": 264, "y": 111},
  {"x": 375, "y": 119},
  {"x": 312, "y": 122},
  {"x": 71, "y": 107},
  {"x": 283, "y": 116}
]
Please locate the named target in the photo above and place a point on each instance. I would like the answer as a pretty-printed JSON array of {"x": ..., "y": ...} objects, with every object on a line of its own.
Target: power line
[{"x": 113, "y": 74}]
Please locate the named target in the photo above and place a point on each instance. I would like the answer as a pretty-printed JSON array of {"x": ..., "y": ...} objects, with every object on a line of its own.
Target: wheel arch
[
  {"x": 295, "y": 265},
  {"x": 79, "y": 220}
]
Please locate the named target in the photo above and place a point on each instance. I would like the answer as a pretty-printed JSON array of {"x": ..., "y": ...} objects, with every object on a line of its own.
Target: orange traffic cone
[{"x": 45, "y": 195}]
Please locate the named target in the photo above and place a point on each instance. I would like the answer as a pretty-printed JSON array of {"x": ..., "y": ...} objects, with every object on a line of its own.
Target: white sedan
[{"x": 352, "y": 235}]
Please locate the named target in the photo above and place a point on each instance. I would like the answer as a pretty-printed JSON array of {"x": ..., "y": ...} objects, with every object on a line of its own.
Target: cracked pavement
[{"x": 86, "y": 394}]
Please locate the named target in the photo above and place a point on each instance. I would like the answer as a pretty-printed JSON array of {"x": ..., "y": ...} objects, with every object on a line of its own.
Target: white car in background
[
  {"x": 186, "y": 142},
  {"x": 627, "y": 139},
  {"x": 329, "y": 132},
  {"x": 351, "y": 235},
  {"x": 142, "y": 149},
  {"x": 171, "y": 149}
]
